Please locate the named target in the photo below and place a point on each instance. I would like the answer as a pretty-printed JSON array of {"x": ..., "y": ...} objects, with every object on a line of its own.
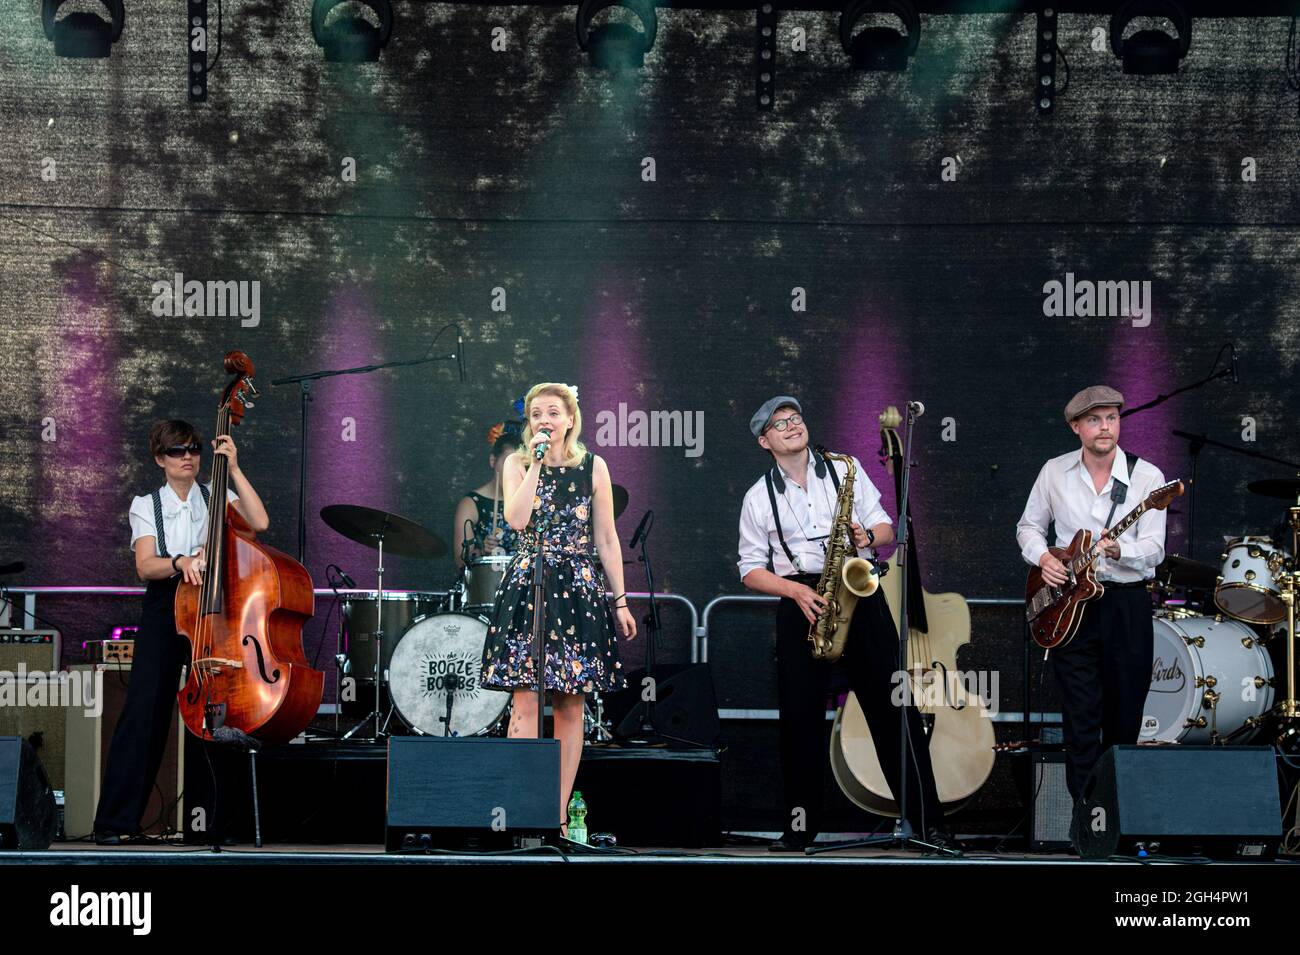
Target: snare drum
[
  {"x": 1194, "y": 659},
  {"x": 1246, "y": 589},
  {"x": 359, "y": 626},
  {"x": 434, "y": 672},
  {"x": 483, "y": 575}
]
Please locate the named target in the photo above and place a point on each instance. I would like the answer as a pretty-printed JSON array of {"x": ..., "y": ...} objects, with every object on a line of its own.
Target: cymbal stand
[{"x": 376, "y": 713}]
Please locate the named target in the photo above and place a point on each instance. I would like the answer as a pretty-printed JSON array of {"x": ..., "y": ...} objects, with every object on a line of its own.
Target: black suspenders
[
  {"x": 776, "y": 514},
  {"x": 158, "y": 521}
]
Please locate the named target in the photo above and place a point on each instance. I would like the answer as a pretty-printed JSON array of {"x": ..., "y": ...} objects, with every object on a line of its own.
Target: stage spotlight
[
  {"x": 1148, "y": 52},
  {"x": 82, "y": 35},
  {"x": 617, "y": 46},
  {"x": 351, "y": 38},
  {"x": 880, "y": 48}
]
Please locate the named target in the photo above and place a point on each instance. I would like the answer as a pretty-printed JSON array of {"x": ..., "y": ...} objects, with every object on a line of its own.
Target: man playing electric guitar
[{"x": 1104, "y": 672}]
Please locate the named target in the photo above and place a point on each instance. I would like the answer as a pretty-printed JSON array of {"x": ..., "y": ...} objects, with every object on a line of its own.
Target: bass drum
[
  {"x": 433, "y": 677},
  {"x": 1207, "y": 675}
]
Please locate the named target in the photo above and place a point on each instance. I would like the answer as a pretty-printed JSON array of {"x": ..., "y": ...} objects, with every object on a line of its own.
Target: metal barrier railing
[
  {"x": 700, "y": 622},
  {"x": 30, "y": 595}
]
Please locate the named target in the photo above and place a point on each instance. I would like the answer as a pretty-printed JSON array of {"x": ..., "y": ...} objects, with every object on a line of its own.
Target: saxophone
[{"x": 845, "y": 576}]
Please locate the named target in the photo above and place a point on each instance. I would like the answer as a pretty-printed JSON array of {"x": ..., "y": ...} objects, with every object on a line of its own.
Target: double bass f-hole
[{"x": 274, "y": 677}]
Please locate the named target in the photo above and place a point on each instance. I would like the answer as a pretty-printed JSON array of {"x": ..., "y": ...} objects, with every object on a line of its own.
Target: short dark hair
[
  {"x": 166, "y": 434},
  {"x": 504, "y": 444}
]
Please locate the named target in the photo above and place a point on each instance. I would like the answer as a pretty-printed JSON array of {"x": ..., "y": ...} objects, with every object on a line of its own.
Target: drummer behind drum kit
[
  {"x": 418, "y": 654},
  {"x": 1212, "y": 678}
]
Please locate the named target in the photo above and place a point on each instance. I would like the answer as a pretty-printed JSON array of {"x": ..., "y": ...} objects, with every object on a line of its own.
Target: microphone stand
[
  {"x": 304, "y": 385},
  {"x": 648, "y": 734},
  {"x": 1195, "y": 443},
  {"x": 903, "y": 837}
]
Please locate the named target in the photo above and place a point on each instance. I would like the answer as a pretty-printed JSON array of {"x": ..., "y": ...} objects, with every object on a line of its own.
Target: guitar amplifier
[
  {"x": 34, "y": 649},
  {"x": 1052, "y": 806},
  {"x": 88, "y": 739},
  {"x": 30, "y": 695}
]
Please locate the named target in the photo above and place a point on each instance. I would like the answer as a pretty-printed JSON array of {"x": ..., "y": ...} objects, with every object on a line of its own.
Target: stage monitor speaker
[
  {"x": 88, "y": 738},
  {"x": 470, "y": 792},
  {"x": 686, "y": 708},
  {"x": 28, "y": 818},
  {"x": 1219, "y": 802}
]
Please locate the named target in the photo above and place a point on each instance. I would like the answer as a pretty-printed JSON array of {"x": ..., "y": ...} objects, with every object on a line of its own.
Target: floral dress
[{"x": 580, "y": 634}]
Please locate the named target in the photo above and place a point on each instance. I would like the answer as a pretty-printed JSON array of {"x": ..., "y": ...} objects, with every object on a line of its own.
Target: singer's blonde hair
[{"x": 574, "y": 450}]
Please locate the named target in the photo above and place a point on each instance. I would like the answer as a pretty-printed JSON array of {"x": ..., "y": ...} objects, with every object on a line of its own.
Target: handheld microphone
[
  {"x": 539, "y": 452},
  {"x": 460, "y": 354},
  {"x": 641, "y": 529},
  {"x": 346, "y": 580},
  {"x": 916, "y": 408}
]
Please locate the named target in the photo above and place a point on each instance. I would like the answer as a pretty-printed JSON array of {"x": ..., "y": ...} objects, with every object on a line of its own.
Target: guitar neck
[{"x": 1083, "y": 560}]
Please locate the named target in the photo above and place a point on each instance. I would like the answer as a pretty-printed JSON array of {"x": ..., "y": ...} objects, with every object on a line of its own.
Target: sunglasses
[{"x": 180, "y": 450}]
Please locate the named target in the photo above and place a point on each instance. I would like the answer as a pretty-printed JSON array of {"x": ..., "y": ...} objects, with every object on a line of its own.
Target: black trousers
[
  {"x": 870, "y": 659},
  {"x": 1103, "y": 675},
  {"x": 140, "y": 738}
]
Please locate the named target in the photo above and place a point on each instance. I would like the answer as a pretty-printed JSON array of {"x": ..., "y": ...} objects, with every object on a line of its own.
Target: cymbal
[
  {"x": 620, "y": 504},
  {"x": 366, "y": 525},
  {"x": 1288, "y": 489},
  {"x": 1178, "y": 571}
]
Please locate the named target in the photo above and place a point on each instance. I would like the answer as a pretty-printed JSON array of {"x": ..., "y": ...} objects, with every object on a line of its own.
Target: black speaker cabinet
[
  {"x": 1220, "y": 802},
  {"x": 686, "y": 707},
  {"x": 27, "y": 815},
  {"x": 470, "y": 792}
]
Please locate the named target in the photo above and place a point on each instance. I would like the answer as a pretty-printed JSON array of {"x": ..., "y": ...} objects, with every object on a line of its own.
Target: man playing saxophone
[{"x": 785, "y": 530}]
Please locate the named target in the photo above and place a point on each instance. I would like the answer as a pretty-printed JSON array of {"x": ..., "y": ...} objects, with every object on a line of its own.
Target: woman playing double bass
[{"x": 168, "y": 527}]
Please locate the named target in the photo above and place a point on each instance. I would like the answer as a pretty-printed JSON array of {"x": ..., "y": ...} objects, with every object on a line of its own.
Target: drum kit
[
  {"x": 1222, "y": 634},
  {"x": 417, "y": 654}
]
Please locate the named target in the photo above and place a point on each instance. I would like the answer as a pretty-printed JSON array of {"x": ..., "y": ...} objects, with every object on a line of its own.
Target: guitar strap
[{"x": 1119, "y": 490}]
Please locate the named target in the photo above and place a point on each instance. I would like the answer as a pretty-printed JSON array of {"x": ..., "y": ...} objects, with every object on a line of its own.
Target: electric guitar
[{"x": 1054, "y": 612}]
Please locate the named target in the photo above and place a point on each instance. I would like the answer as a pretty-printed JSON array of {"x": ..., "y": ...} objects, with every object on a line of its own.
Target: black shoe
[
  {"x": 792, "y": 842},
  {"x": 944, "y": 841},
  {"x": 106, "y": 838}
]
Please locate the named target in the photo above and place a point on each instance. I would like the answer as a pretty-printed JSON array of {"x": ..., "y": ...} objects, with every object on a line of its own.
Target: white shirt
[
  {"x": 806, "y": 518},
  {"x": 1064, "y": 492},
  {"x": 185, "y": 523}
]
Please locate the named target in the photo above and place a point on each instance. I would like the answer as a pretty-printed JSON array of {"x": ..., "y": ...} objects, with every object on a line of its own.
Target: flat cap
[
  {"x": 758, "y": 423},
  {"x": 1095, "y": 396}
]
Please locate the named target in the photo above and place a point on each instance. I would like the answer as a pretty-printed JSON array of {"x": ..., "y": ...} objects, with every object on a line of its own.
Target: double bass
[
  {"x": 247, "y": 667},
  {"x": 960, "y": 731}
]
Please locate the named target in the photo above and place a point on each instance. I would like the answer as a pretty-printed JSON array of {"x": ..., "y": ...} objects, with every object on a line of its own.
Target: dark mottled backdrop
[{"x": 522, "y": 170}]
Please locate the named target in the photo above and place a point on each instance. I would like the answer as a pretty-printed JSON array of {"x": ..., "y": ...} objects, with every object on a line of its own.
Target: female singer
[
  {"x": 168, "y": 528},
  {"x": 562, "y": 499},
  {"x": 480, "y": 529}
]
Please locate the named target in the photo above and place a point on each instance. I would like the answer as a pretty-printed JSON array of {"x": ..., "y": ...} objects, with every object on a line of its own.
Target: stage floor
[{"x": 86, "y": 853}]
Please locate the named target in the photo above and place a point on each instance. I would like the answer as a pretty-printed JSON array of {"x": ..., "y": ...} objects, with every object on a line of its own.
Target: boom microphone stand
[
  {"x": 902, "y": 837},
  {"x": 304, "y": 386}
]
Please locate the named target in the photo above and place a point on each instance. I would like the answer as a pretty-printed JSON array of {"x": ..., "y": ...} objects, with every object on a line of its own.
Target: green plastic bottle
[{"x": 577, "y": 818}]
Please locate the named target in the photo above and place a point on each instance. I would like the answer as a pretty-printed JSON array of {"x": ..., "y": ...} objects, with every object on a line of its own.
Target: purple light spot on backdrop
[
  {"x": 613, "y": 370},
  {"x": 349, "y": 472},
  {"x": 869, "y": 376},
  {"x": 78, "y": 469},
  {"x": 1138, "y": 364}
]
